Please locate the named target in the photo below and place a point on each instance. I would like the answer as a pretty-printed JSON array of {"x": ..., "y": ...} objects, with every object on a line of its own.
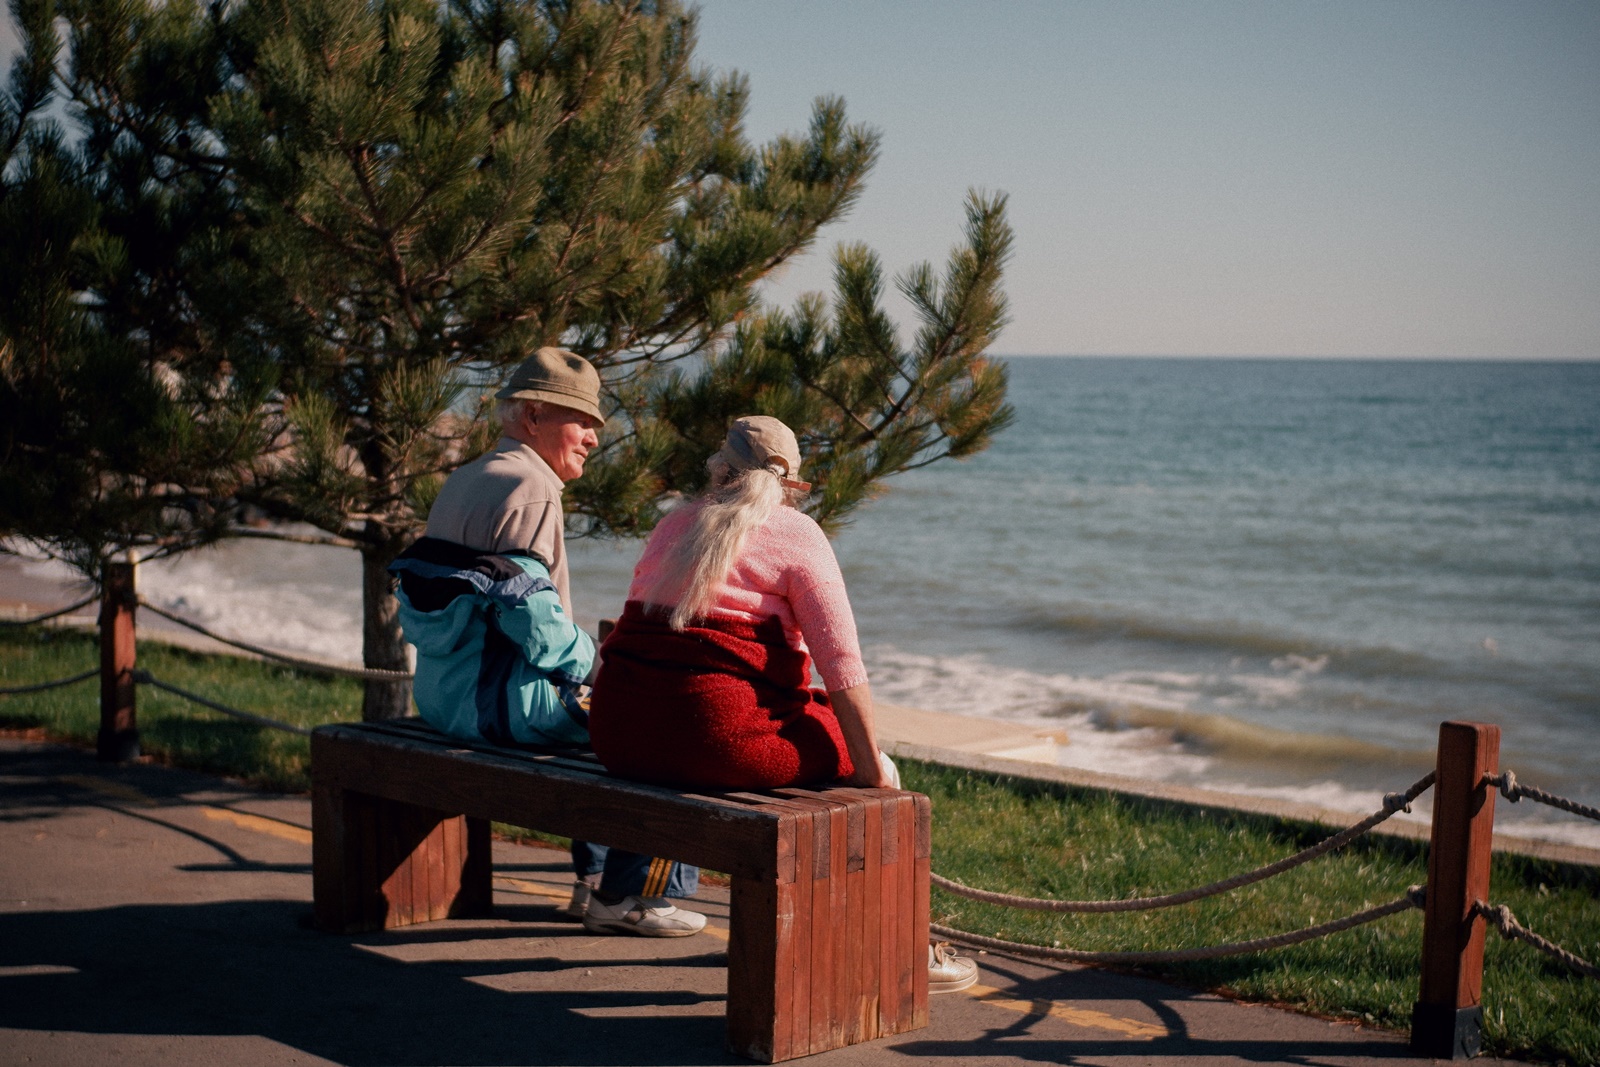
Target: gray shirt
[{"x": 506, "y": 501}]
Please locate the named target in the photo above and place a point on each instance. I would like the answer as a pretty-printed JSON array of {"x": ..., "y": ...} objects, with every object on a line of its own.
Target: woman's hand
[
  {"x": 853, "y": 707},
  {"x": 869, "y": 777}
]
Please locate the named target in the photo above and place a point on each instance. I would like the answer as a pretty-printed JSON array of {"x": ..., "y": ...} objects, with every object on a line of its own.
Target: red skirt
[{"x": 722, "y": 704}]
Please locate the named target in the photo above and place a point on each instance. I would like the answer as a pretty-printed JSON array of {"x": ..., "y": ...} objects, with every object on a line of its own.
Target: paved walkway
[{"x": 153, "y": 916}]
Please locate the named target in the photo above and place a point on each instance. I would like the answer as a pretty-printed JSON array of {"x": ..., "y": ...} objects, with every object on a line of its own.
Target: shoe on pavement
[
  {"x": 582, "y": 890},
  {"x": 645, "y": 916},
  {"x": 947, "y": 972}
]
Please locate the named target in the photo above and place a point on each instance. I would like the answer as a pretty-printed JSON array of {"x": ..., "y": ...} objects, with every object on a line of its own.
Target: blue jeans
[{"x": 628, "y": 874}]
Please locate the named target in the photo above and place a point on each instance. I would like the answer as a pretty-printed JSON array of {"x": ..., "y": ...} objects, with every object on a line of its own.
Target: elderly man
[{"x": 484, "y": 598}]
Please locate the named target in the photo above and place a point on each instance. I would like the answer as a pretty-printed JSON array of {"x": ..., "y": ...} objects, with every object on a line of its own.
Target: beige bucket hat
[{"x": 556, "y": 376}]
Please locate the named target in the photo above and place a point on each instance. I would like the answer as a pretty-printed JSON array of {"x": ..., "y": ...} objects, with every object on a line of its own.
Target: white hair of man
[
  {"x": 510, "y": 411},
  {"x": 736, "y": 502}
]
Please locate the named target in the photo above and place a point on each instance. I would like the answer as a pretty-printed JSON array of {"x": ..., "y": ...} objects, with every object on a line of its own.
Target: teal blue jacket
[{"x": 498, "y": 659}]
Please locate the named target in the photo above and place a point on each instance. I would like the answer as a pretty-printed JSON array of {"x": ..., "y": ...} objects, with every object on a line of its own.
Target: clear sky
[
  {"x": 1228, "y": 178},
  {"x": 1362, "y": 177}
]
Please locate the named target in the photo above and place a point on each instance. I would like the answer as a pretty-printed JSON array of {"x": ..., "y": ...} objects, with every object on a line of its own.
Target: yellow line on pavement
[
  {"x": 1097, "y": 1020},
  {"x": 35, "y": 970},
  {"x": 261, "y": 824},
  {"x": 533, "y": 889}
]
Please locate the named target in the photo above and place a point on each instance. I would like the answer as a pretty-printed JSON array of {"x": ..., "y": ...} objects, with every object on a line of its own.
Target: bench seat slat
[
  {"x": 579, "y": 760},
  {"x": 703, "y": 831}
]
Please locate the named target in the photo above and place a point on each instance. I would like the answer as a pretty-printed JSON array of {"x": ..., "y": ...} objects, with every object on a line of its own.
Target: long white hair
[{"x": 736, "y": 502}]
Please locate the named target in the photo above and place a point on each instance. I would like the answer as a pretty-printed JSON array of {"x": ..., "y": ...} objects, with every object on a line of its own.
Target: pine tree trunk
[{"x": 381, "y": 643}]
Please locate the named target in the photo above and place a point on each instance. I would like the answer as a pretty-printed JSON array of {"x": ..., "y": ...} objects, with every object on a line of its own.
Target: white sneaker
[
  {"x": 582, "y": 890},
  {"x": 947, "y": 972},
  {"x": 645, "y": 916}
]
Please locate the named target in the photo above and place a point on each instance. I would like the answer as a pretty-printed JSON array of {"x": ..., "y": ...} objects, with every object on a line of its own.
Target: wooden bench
[{"x": 829, "y": 914}]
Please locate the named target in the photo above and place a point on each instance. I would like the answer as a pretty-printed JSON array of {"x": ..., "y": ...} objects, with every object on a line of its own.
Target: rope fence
[
  {"x": 1501, "y": 918},
  {"x": 375, "y": 674},
  {"x": 68, "y": 610},
  {"x": 1414, "y": 898},
  {"x": 39, "y": 687},
  {"x": 143, "y": 677},
  {"x": 146, "y": 678},
  {"x": 1445, "y": 1022},
  {"x": 1392, "y": 803},
  {"x": 58, "y": 683},
  {"x": 1513, "y": 791}
]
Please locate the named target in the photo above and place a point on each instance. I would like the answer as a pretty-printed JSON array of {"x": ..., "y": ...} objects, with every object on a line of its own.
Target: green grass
[
  {"x": 171, "y": 729},
  {"x": 1002, "y": 834},
  {"x": 1033, "y": 840}
]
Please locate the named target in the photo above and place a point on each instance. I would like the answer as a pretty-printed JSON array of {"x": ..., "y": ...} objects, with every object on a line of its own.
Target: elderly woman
[{"x": 706, "y": 680}]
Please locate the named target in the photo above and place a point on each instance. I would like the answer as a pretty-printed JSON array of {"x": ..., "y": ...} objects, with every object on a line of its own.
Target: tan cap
[
  {"x": 762, "y": 441},
  {"x": 559, "y": 377}
]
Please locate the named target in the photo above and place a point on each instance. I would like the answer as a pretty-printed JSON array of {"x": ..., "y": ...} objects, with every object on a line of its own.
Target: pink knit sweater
[{"x": 787, "y": 568}]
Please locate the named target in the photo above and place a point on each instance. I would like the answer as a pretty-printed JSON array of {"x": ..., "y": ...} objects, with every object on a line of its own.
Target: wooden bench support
[
  {"x": 381, "y": 863},
  {"x": 829, "y": 916},
  {"x": 831, "y": 958}
]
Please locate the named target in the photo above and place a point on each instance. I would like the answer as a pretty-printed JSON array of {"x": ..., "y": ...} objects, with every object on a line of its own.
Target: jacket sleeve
[{"x": 550, "y": 641}]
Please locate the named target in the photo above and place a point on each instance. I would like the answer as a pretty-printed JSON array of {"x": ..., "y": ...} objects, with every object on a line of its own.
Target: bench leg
[
  {"x": 838, "y": 955},
  {"x": 760, "y": 968},
  {"x": 379, "y": 863}
]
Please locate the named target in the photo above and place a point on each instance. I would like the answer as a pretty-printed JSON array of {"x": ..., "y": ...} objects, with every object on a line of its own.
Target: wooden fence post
[
  {"x": 1447, "y": 1021},
  {"x": 119, "y": 728}
]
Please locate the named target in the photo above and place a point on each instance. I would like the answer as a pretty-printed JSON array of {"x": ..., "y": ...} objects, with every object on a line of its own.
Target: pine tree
[
  {"x": 394, "y": 200},
  {"x": 103, "y": 445}
]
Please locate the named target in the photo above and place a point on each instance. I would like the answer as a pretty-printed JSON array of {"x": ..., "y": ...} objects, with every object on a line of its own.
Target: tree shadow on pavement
[
  {"x": 252, "y": 968},
  {"x": 1264, "y": 1036}
]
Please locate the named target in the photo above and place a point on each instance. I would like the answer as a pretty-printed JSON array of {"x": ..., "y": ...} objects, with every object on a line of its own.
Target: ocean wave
[
  {"x": 1145, "y": 725},
  {"x": 289, "y": 597},
  {"x": 1164, "y": 706},
  {"x": 1239, "y": 740},
  {"x": 1231, "y": 639}
]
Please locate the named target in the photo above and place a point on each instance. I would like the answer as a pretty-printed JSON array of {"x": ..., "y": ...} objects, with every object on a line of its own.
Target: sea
[{"x": 1272, "y": 577}]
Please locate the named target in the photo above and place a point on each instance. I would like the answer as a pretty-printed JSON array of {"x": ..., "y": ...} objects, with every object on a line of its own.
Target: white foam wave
[
  {"x": 284, "y": 596},
  {"x": 971, "y": 685},
  {"x": 1269, "y": 688},
  {"x": 295, "y": 598},
  {"x": 1305, "y": 664},
  {"x": 1530, "y": 823},
  {"x": 1145, "y": 725},
  {"x": 1086, "y": 707}
]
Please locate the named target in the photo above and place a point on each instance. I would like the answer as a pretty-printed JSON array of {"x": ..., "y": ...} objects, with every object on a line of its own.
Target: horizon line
[{"x": 1279, "y": 357}]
